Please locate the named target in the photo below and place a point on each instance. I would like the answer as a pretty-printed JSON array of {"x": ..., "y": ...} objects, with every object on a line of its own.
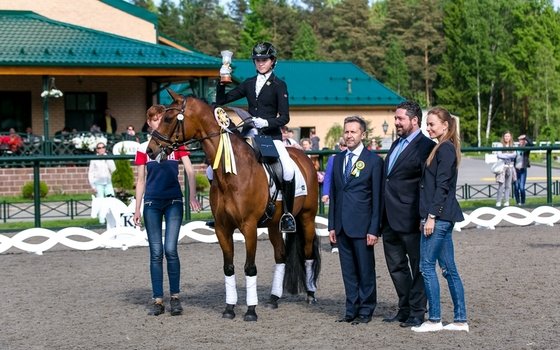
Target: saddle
[{"x": 267, "y": 155}]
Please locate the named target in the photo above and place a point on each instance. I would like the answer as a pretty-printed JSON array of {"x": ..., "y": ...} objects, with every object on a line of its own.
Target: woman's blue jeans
[
  {"x": 439, "y": 247},
  {"x": 154, "y": 212},
  {"x": 519, "y": 189}
]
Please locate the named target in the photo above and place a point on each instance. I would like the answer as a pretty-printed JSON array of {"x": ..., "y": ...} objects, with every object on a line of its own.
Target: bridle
[{"x": 166, "y": 144}]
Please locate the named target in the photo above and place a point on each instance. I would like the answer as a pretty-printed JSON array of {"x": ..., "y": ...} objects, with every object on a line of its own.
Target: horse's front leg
[
  {"x": 276, "y": 291},
  {"x": 250, "y": 233},
  {"x": 226, "y": 243}
]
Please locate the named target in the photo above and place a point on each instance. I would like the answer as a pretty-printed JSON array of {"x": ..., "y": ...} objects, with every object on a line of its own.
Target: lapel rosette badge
[{"x": 357, "y": 168}]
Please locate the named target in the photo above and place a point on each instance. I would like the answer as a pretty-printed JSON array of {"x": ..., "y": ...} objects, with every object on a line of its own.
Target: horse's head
[{"x": 176, "y": 127}]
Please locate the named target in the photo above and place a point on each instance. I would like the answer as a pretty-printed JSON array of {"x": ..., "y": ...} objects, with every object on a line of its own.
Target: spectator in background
[
  {"x": 130, "y": 134},
  {"x": 287, "y": 139},
  {"x": 305, "y": 144},
  {"x": 107, "y": 123},
  {"x": 14, "y": 142},
  {"x": 522, "y": 162},
  {"x": 314, "y": 140},
  {"x": 507, "y": 176},
  {"x": 100, "y": 172},
  {"x": 94, "y": 128},
  {"x": 327, "y": 182},
  {"x": 30, "y": 137}
]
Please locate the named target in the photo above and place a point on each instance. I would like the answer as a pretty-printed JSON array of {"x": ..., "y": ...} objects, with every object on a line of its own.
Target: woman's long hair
[
  {"x": 451, "y": 135},
  {"x": 504, "y": 143}
]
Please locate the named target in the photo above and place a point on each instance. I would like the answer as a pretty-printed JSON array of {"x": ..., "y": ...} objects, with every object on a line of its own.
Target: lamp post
[
  {"x": 49, "y": 90},
  {"x": 385, "y": 127}
]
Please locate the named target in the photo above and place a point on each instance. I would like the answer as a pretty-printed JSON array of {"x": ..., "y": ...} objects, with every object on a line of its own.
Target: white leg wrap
[
  {"x": 251, "y": 283},
  {"x": 278, "y": 280},
  {"x": 309, "y": 283},
  {"x": 231, "y": 290}
]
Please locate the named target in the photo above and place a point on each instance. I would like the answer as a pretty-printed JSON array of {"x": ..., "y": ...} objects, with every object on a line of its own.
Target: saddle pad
[{"x": 301, "y": 186}]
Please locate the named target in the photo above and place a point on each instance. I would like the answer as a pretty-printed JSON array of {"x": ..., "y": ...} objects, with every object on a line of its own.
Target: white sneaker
[
  {"x": 498, "y": 204},
  {"x": 428, "y": 326},
  {"x": 457, "y": 327},
  {"x": 334, "y": 250},
  {"x": 506, "y": 204}
]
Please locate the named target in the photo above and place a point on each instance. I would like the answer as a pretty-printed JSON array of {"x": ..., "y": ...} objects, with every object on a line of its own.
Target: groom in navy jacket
[{"x": 354, "y": 219}]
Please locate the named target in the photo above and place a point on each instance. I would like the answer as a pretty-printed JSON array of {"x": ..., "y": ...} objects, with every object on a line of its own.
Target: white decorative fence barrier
[{"x": 124, "y": 237}]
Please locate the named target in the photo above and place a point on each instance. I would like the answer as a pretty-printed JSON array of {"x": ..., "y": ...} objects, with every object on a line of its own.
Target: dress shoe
[
  {"x": 397, "y": 318},
  {"x": 412, "y": 321},
  {"x": 346, "y": 319},
  {"x": 457, "y": 327},
  {"x": 428, "y": 326},
  {"x": 361, "y": 319}
]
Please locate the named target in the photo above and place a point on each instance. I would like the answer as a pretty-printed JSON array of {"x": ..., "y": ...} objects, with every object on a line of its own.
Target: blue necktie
[
  {"x": 394, "y": 156},
  {"x": 348, "y": 168}
]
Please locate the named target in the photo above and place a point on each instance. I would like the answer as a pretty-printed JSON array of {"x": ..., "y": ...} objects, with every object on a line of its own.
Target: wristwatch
[{"x": 431, "y": 216}]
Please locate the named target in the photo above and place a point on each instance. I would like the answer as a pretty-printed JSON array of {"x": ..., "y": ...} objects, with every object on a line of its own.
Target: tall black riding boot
[{"x": 288, "y": 222}]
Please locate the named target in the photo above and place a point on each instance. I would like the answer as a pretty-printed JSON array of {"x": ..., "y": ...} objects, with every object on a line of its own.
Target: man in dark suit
[
  {"x": 354, "y": 219},
  {"x": 400, "y": 218}
]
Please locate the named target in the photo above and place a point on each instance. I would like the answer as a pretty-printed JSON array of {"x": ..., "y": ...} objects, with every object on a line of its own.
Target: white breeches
[{"x": 287, "y": 164}]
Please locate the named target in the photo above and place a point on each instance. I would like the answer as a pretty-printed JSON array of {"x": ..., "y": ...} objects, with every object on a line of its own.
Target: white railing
[{"x": 124, "y": 237}]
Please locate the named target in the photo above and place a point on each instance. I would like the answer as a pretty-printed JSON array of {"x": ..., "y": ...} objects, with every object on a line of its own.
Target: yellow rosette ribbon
[
  {"x": 357, "y": 168},
  {"x": 224, "y": 147}
]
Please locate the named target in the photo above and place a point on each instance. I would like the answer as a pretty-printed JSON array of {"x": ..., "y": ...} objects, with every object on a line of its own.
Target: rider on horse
[{"x": 267, "y": 97}]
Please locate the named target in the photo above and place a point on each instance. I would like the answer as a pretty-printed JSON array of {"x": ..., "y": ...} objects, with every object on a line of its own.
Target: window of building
[
  {"x": 15, "y": 110},
  {"x": 83, "y": 108}
]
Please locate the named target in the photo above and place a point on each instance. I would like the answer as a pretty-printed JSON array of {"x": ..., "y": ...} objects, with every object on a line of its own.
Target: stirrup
[{"x": 287, "y": 223}]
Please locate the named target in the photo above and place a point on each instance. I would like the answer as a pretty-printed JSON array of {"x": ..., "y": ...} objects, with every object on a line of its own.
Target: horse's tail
[{"x": 295, "y": 276}]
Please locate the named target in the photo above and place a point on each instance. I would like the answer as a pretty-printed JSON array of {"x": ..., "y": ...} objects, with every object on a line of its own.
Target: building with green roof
[{"x": 114, "y": 57}]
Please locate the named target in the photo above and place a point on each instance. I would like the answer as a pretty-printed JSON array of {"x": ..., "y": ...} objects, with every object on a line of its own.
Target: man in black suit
[
  {"x": 400, "y": 218},
  {"x": 354, "y": 219}
]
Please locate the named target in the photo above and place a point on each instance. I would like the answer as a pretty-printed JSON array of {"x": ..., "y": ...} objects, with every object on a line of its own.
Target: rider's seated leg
[{"x": 287, "y": 222}]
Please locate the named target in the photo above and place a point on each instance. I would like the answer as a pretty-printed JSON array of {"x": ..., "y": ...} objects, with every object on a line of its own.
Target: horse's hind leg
[
  {"x": 312, "y": 257},
  {"x": 275, "y": 237},
  {"x": 250, "y": 234}
]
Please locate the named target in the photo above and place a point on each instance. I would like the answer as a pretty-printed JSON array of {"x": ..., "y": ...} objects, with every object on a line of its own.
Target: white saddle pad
[{"x": 301, "y": 186}]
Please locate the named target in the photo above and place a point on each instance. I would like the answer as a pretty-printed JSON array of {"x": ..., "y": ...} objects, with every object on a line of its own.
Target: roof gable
[
  {"x": 28, "y": 39},
  {"x": 314, "y": 83}
]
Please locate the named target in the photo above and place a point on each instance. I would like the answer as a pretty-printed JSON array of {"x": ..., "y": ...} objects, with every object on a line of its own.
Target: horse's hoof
[
  {"x": 251, "y": 314},
  {"x": 272, "y": 303},
  {"x": 311, "y": 300},
  {"x": 228, "y": 312}
]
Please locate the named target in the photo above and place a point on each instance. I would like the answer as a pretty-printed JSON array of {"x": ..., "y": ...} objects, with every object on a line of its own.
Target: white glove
[
  {"x": 260, "y": 122},
  {"x": 225, "y": 70}
]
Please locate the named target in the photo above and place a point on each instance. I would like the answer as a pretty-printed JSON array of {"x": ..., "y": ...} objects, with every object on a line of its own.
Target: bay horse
[{"x": 238, "y": 201}]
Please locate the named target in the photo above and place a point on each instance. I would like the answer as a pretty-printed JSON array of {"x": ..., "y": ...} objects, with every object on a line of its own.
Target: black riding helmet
[{"x": 264, "y": 50}]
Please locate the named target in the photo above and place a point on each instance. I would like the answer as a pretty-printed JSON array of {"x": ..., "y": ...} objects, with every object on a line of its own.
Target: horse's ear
[{"x": 175, "y": 96}]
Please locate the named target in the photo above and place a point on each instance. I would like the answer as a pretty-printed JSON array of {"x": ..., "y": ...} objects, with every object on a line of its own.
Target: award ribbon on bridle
[{"x": 225, "y": 143}]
